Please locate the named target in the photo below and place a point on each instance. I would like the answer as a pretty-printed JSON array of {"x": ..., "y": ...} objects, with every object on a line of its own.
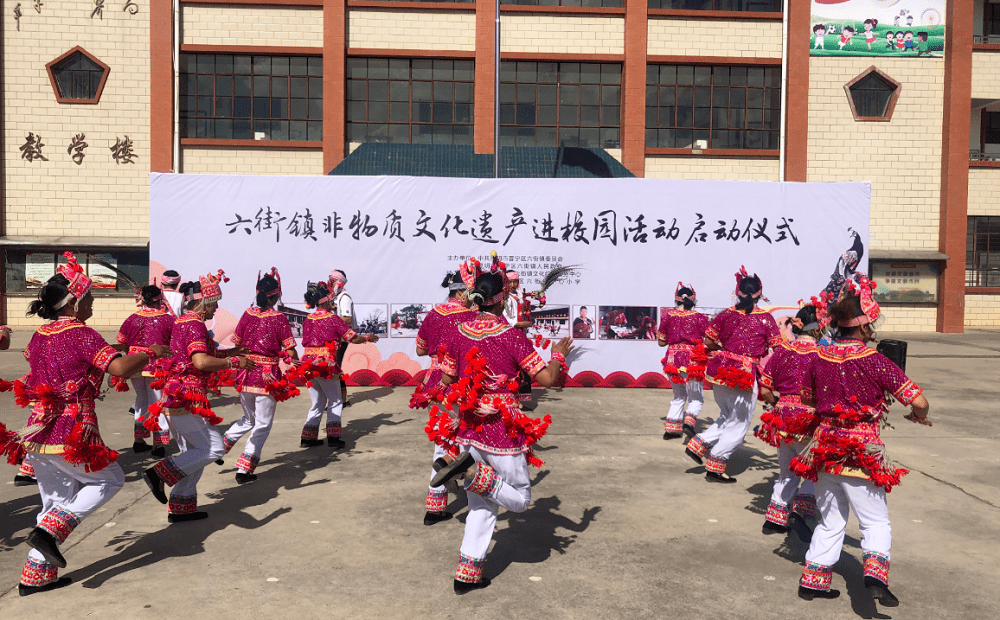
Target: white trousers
[
  {"x": 258, "y": 416},
  {"x": 326, "y": 398},
  {"x": 690, "y": 394},
  {"x": 70, "y": 488},
  {"x": 788, "y": 484},
  {"x": 199, "y": 445},
  {"x": 836, "y": 496},
  {"x": 145, "y": 396},
  {"x": 513, "y": 493},
  {"x": 730, "y": 428}
]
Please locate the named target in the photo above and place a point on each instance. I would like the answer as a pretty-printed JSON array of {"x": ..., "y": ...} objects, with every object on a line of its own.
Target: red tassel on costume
[
  {"x": 119, "y": 383},
  {"x": 84, "y": 447}
]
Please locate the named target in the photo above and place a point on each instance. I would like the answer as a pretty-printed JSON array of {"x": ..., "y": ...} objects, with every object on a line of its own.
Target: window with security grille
[
  {"x": 251, "y": 97},
  {"x": 728, "y": 107},
  {"x": 770, "y": 6},
  {"x": 77, "y": 77},
  {"x": 584, "y": 3},
  {"x": 871, "y": 95},
  {"x": 410, "y": 100},
  {"x": 982, "y": 252},
  {"x": 560, "y": 104}
]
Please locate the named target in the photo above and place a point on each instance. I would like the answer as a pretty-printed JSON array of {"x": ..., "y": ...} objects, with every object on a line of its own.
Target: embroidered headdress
[
  {"x": 79, "y": 283},
  {"x": 470, "y": 271},
  {"x": 693, "y": 296},
  {"x": 171, "y": 281},
  {"x": 337, "y": 281},
  {"x": 211, "y": 290},
  {"x": 320, "y": 287},
  {"x": 277, "y": 277},
  {"x": 861, "y": 287},
  {"x": 742, "y": 275}
]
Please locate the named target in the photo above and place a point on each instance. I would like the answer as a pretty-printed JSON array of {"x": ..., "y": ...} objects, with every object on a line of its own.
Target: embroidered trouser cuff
[
  {"x": 59, "y": 522},
  {"x": 470, "y": 570},
  {"x": 38, "y": 573},
  {"x": 877, "y": 566},
  {"x": 437, "y": 501},
  {"x": 816, "y": 576},
  {"x": 777, "y": 513}
]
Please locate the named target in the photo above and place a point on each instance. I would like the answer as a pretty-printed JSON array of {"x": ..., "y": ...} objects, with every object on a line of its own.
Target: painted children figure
[
  {"x": 899, "y": 41},
  {"x": 870, "y": 31},
  {"x": 908, "y": 43},
  {"x": 845, "y": 36},
  {"x": 819, "y": 30},
  {"x": 924, "y": 46},
  {"x": 890, "y": 40}
]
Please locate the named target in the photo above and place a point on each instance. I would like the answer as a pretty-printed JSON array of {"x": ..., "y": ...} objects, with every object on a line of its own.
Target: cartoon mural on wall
[{"x": 900, "y": 28}]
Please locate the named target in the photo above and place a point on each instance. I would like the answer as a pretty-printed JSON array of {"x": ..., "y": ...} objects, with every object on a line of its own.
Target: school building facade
[{"x": 686, "y": 89}]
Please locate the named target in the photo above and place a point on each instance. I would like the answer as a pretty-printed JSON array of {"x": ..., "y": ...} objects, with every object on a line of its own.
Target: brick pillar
[
  {"x": 484, "y": 94},
  {"x": 955, "y": 164},
  {"x": 633, "y": 118},
  {"x": 797, "y": 95},
  {"x": 334, "y": 83},
  {"x": 161, "y": 86}
]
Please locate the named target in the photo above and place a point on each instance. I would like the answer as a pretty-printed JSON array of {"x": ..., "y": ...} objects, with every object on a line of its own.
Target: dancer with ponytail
[
  {"x": 790, "y": 424},
  {"x": 184, "y": 402},
  {"x": 322, "y": 334},
  {"x": 852, "y": 386},
  {"x": 681, "y": 331},
  {"x": 484, "y": 356},
  {"x": 265, "y": 334},
  {"x": 741, "y": 336},
  {"x": 150, "y": 324},
  {"x": 76, "y": 471},
  {"x": 442, "y": 319}
]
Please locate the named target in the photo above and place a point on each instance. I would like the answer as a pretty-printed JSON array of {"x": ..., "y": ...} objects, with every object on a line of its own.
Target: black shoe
[
  {"x": 430, "y": 518},
  {"x": 131, "y": 411},
  {"x": 243, "y": 478},
  {"x": 453, "y": 470},
  {"x": 159, "y": 452},
  {"x": 20, "y": 480},
  {"x": 45, "y": 543},
  {"x": 770, "y": 527},
  {"x": 880, "y": 592},
  {"x": 62, "y": 582},
  {"x": 798, "y": 524},
  {"x": 310, "y": 443},
  {"x": 669, "y": 435},
  {"x": 711, "y": 476},
  {"x": 347, "y": 403},
  {"x": 188, "y": 516},
  {"x": 689, "y": 431},
  {"x": 155, "y": 484},
  {"x": 439, "y": 464},
  {"x": 141, "y": 446},
  {"x": 461, "y": 587},
  {"x": 335, "y": 442},
  {"x": 697, "y": 459},
  {"x": 809, "y": 594},
  {"x": 220, "y": 462}
]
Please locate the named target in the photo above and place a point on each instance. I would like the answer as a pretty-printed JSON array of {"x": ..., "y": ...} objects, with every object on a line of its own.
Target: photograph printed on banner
[
  {"x": 550, "y": 322},
  {"x": 405, "y": 319},
  {"x": 296, "y": 317},
  {"x": 584, "y": 322},
  {"x": 627, "y": 323},
  {"x": 372, "y": 319}
]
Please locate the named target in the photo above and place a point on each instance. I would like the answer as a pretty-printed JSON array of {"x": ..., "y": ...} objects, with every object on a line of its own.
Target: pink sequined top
[
  {"x": 71, "y": 358},
  {"x": 506, "y": 351},
  {"x": 319, "y": 328},
  {"x": 145, "y": 327},
  {"x": 265, "y": 333},
  {"x": 850, "y": 376},
  {"x": 744, "y": 338},
  {"x": 784, "y": 370},
  {"x": 680, "y": 330},
  {"x": 442, "y": 319},
  {"x": 188, "y": 336}
]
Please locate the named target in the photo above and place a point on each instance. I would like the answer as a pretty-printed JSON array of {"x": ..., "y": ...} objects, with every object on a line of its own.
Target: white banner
[{"x": 396, "y": 237}]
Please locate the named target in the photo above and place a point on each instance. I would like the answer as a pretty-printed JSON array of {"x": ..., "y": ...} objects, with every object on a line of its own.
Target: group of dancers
[{"x": 824, "y": 408}]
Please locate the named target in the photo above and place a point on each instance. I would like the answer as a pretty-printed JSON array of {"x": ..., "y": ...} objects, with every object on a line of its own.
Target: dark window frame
[
  {"x": 980, "y": 241},
  {"x": 867, "y": 76},
  {"x": 558, "y": 92},
  {"x": 424, "y": 118},
  {"x": 740, "y": 6},
  {"x": 211, "y": 109},
  {"x": 96, "y": 79},
  {"x": 751, "y": 133},
  {"x": 576, "y": 4}
]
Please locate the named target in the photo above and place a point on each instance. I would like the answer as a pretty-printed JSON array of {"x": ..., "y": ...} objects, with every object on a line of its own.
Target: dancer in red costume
[
  {"x": 265, "y": 334},
  {"x": 852, "y": 386},
  {"x": 76, "y": 471},
  {"x": 150, "y": 324},
  {"x": 483, "y": 360},
  {"x": 441, "y": 320},
  {"x": 681, "y": 331},
  {"x": 323, "y": 333},
  {"x": 184, "y": 403}
]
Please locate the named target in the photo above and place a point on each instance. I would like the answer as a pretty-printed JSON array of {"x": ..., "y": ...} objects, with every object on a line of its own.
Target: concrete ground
[{"x": 622, "y": 524}]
